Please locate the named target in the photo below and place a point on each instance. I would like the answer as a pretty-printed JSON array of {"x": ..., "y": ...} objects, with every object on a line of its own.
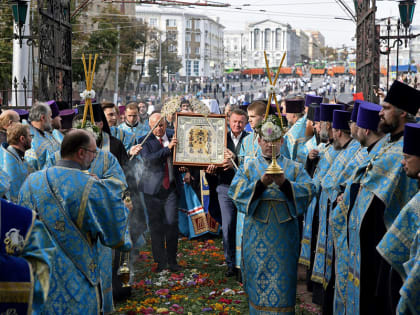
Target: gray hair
[{"x": 38, "y": 110}]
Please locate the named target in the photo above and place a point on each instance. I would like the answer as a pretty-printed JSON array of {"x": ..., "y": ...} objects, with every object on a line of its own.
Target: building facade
[
  {"x": 196, "y": 38},
  {"x": 275, "y": 38},
  {"x": 235, "y": 49},
  {"x": 315, "y": 43}
]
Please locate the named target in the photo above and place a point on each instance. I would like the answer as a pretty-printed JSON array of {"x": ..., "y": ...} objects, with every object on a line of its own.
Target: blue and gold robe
[
  {"x": 400, "y": 247},
  {"x": 329, "y": 193},
  {"x": 249, "y": 149},
  {"x": 4, "y": 183},
  {"x": 58, "y": 135},
  {"x": 294, "y": 142},
  {"x": 106, "y": 167},
  {"x": 270, "y": 241},
  {"x": 327, "y": 155},
  {"x": 127, "y": 138},
  {"x": 138, "y": 131},
  {"x": 26, "y": 251},
  {"x": 16, "y": 168},
  {"x": 77, "y": 217},
  {"x": 338, "y": 226},
  {"x": 385, "y": 179},
  {"x": 43, "y": 144}
]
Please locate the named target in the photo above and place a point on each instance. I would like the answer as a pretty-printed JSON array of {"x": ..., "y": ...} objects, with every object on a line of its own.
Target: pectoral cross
[{"x": 92, "y": 267}]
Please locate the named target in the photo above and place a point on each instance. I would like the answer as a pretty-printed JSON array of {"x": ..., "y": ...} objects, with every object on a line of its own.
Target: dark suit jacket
[
  {"x": 154, "y": 158},
  {"x": 225, "y": 177},
  {"x": 222, "y": 177}
]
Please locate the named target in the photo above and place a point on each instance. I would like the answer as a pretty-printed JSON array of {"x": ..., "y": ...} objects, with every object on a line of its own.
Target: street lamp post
[
  {"x": 388, "y": 41},
  {"x": 21, "y": 50},
  {"x": 160, "y": 67}
]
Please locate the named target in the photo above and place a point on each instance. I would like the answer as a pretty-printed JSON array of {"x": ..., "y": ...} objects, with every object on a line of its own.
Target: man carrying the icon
[{"x": 270, "y": 242}]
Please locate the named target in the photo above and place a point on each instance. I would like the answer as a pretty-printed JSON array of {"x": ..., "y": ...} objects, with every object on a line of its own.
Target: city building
[
  {"x": 196, "y": 38},
  {"x": 235, "y": 49},
  {"x": 244, "y": 49},
  {"x": 303, "y": 45},
  {"x": 275, "y": 38},
  {"x": 315, "y": 43}
]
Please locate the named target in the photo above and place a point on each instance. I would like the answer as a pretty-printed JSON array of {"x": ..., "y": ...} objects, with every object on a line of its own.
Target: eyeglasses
[{"x": 86, "y": 149}]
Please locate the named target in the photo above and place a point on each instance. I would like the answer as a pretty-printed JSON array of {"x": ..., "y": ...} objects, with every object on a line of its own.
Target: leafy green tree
[
  {"x": 171, "y": 62},
  {"x": 6, "y": 50}
]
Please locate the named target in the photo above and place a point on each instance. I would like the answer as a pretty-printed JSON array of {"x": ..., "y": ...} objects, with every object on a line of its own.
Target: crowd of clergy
[{"x": 78, "y": 203}]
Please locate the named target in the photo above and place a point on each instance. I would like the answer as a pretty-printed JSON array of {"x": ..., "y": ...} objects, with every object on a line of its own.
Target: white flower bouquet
[
  {"x": 271, "y": 128},
  {"x": 87, "y": 94},
  {"x": 88, "y": 127}
]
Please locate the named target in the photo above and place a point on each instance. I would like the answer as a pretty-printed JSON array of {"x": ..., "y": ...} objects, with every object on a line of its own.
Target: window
[
  {"x": 197, "y": 24},
  {"x": 188, "y": 37},
  {"x": 197, "y": 37},
  {"x": 171, "y": 23},
  {"x": 171, "y": 36},
  {"x": 188, "y": 67},
  {"x": 256, "y": 38},
  {"x": 153, "y": 22},
  {"x": 255, "y": 63},
  {"x": 267, "y": 38},
  {"x": 197, "y": 50},
  {"x": 196, "y": 67},
  {"x": 172, "y": 48},
  {"x": 278, "y": 38},
  {"x": 189, "y": 23}
]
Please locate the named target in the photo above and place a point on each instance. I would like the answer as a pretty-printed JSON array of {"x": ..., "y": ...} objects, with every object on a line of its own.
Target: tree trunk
[
  {"x": 108, "y": 71},
  {"x": 141, "y": 71}
]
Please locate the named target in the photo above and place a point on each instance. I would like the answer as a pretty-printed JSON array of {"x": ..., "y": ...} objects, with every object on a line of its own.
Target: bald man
[
  {"x": 7, "y": 118},
  {"x": 161, "y": 184}
]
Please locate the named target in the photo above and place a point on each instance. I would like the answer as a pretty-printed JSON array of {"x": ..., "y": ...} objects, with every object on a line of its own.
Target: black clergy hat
[
  {"x": 98, "y": 115},
  {"x": 67, "y": 118},
  {"x": 404, "y": 97},
  {"x": 311, "y": 111},
  {"x": 54, "y": 109},
  {"x": 411, "y": 139},
  {"x": 295, "y": 106},
  {"x": 23, "y": 114}
]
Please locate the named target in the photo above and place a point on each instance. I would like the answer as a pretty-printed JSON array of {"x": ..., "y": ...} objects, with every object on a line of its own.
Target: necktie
[{"x": 166, "y": 177}]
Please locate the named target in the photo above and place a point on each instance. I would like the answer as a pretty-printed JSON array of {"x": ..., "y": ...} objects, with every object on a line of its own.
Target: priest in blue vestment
[
  {"x": 249, "y": 148},
  {"x": 270, "y": 241},
  {"x": 12, "y": 158},
  {"x": 71, "y": 204},
  {"x": 400, "y": 246},
  {"x": 294, "y": 139},
  {"x": 383, "y": 192},
  {"x": 318, "y": 163},
  {"x": 4, "y": 183},
  {"x": 367, "y": 122},
  {"x": 26, "y": 253},
  {"x": 125, "y": 136},
  {"x": 43, "y": 143},
  {"x": 324, "y": 261},
  {"x": 132, "y": 123}
]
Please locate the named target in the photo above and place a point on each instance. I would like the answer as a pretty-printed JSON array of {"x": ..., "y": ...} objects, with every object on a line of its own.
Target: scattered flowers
[{"x": 195, "y": 290}]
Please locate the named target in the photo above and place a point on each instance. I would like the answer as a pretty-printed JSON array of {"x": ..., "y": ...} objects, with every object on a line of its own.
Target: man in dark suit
[
  {"x": 159, "y": 184},
  {"x": 219, "y": 180}
]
